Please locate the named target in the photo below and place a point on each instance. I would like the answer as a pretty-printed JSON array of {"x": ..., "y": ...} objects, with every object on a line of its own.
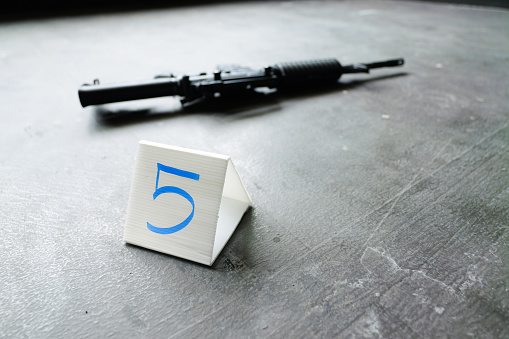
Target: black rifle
[{"x": 227, "y": 80}]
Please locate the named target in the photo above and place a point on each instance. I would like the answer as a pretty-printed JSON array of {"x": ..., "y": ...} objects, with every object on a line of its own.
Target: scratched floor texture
[{"x": 381, "y": 206}]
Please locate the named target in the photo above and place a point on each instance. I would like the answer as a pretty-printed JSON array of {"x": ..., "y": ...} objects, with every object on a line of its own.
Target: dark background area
[
  {"x": 21, "y": 10},
  {"x": 488, "y": 3}
]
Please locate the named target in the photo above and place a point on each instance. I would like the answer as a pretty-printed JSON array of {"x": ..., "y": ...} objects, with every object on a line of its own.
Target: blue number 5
[{"x": 176, "y": 190}]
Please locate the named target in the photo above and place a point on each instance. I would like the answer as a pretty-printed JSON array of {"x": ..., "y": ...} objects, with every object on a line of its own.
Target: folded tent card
[{"x": 184, "y": 202}]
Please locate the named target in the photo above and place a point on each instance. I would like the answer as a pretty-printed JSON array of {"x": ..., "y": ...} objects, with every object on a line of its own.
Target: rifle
[{"x": 227, "y": 80}]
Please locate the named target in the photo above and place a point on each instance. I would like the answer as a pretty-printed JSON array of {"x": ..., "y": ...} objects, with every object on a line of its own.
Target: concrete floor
[{"x": 380, "y": 205}]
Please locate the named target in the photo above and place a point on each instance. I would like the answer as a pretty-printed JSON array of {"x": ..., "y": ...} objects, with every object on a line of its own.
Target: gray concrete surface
[{"x": 380, "y": 206}]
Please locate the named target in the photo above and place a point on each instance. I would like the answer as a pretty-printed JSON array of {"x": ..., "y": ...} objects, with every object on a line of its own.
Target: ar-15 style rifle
[{"x": 227, "y": 80}]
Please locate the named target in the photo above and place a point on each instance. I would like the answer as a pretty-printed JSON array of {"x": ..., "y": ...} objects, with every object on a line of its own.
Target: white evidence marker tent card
[{"x": 184, "y": 202}]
